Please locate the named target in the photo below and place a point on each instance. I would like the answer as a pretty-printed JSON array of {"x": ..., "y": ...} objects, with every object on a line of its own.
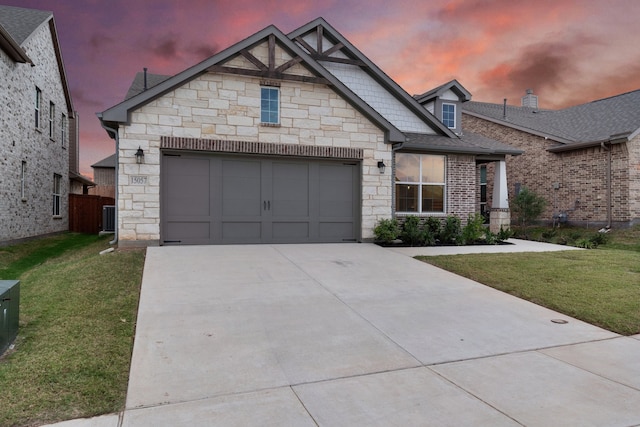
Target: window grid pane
[
  {"x": 420, "y": 183},
  {"x": 269, "y": 105},
  {"x": 449, "y": 115}
]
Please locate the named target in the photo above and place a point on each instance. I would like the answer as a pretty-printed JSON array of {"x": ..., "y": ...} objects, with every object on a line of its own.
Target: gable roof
[
  {"x": 17, "y": 26},
  {"x": 120, "y": 113},
  {"x": 612, "y": 119},
  {"x": 453, "y": 85},
  {"x": 344, "y": 46}
]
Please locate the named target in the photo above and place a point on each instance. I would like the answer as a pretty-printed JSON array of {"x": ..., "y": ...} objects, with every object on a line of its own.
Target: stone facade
[
  {"x": 26, "y": 207},
  {"x": 572, "y": 182},
  {"x": 226, "y": 107}
]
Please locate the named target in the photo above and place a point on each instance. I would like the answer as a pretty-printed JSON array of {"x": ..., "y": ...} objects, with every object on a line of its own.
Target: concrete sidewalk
[{"x": 355, "y": 334}]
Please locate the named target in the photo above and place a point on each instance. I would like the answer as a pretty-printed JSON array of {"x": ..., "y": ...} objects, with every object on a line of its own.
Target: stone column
[{"x": 500, "y": 215}]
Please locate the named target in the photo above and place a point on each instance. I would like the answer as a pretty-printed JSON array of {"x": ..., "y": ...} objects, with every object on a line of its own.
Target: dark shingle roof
[
  {"x": 107, "y": 162},
  {"x": 20, "y": 23},
  {"x": 137, "y": 86},
  {"x": 593, "y": 121},
  {"x": 469, "y": 143}
]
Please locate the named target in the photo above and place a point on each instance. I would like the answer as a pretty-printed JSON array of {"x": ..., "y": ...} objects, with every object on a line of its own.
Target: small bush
[
  {"x": 585, "y": 243},
  {"x": 451, "y": 232},
  {"x": 434, "y": 225},
  {"x": 474, "y": 231},
  {"x": 599, "y": 239},
  {"x": 411, "y": 233},
  {"x": 386, "y": 231},
  {"x": 504, "y": 234}
]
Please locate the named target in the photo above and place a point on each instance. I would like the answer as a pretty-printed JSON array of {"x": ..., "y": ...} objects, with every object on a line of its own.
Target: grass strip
[{"x": 77, "y": 322}]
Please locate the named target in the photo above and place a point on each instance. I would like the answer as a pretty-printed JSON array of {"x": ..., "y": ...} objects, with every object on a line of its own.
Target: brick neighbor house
[
  {"x": 584, "y": 160},
  {"x": 37, "y": 119},
  {"x": 283, "y": 138}
]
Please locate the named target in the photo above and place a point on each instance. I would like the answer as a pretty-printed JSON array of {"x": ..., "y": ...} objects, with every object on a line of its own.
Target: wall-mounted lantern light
[
  {"x": 139, "y": 156},
  {"x": 381, "y": 166}
]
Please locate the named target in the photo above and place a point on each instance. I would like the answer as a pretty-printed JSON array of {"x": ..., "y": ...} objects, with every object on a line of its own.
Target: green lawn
[
  {"x": 77, "y": 321},
  {"x": 599, "y": 286}
]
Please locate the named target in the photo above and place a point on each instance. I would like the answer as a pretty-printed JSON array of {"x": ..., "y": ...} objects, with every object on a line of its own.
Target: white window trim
[
  {"x": 277, "y": 89},
  {"x": 38, "y": 108},
  {"x": 63, "y": 130},
  {"x": 57, "y": 196},
  {"x": 420, "y": 212},
  {"x": 454, "y": 114},
  {"x": 23, "y": 180},
  {"x": 52, "y": 120}
]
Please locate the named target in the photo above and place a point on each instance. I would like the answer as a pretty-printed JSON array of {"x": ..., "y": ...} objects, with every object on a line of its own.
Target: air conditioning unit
[
  {"x": 9, "y": 312},
  {"x": 108, "y": 218}
]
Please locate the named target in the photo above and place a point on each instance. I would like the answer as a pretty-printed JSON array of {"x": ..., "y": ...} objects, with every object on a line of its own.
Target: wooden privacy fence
[{"x": 85, "y": 212}]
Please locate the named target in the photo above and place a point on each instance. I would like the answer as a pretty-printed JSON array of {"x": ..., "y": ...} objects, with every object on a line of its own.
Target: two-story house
[{"x": 34, "y": 136}]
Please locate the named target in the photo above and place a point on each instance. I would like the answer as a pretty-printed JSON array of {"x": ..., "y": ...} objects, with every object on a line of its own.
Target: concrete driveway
[{"x": 355, "y": 334}]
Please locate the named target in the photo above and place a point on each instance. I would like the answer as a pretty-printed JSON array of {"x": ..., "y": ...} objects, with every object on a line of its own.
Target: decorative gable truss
[{"x": 269, "y": 60}]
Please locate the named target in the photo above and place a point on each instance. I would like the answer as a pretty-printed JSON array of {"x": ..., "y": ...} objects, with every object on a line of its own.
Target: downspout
[
  {"x": 609, "y": 190},
  {"x": 114, "y": 132}
]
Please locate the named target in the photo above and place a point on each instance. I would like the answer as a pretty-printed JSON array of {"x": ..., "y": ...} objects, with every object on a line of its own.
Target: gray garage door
[{"x": 213, "y": 199}]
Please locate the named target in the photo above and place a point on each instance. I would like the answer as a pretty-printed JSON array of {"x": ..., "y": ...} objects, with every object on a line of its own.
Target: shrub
[
  {"x": 411, "y": 233},
  {"x": 599, "y": 239},
  {"x": 434, "y": 225},
  {"x": 528, "y": 206},
  {"x": 451, "y": 232},
  {"x": 504, "y": 234},
  {"x": 474, "y": 231},
  {"x": 386, "y": 231}
]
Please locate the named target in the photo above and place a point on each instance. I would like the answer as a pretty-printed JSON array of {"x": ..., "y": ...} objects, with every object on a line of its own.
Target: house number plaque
[{"x": 138, "y": 180}]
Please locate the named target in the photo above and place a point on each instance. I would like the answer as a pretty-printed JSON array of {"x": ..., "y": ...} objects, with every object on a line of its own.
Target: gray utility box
[{"x": 9, "y": 312}]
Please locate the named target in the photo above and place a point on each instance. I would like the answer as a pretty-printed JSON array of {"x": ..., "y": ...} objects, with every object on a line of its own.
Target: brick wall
[
  {"x": 227, "y": 107},
  {"x": 21, "y": 142},
  {"x": 574, "y": 182}
]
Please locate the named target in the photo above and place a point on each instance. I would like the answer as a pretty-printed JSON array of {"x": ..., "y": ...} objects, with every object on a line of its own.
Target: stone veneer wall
[
  {"x": 20, "y": 141},
  {"x": 227, "y": 107},
  {"x": 574, "y": 181}
]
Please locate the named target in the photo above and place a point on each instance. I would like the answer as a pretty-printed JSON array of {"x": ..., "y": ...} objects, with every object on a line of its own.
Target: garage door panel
[
  {"x": 290, "y": 231},
  {"x": 233, "y": 232},
  {"x": 181, "y": 232},
  {"x": 290, "y": 189},
  {"x": 187, "y": 191},
  {"x": 336, "y": 231},
  {"x": 241, "y": 188}
]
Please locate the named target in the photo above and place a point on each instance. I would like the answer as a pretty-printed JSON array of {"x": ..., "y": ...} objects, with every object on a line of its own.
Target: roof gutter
[
  {"x": 113, "y": 133},
  {"x": 613, "y": 139}
]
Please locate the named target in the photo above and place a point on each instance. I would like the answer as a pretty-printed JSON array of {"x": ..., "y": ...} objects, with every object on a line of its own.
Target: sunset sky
[{"x": 567, "y": 51}]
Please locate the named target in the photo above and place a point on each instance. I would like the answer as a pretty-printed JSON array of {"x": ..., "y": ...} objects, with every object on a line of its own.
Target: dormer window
[{"x": 449, "y": 115}]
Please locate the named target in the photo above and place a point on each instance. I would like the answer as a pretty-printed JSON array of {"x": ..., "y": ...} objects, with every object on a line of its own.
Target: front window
[
  {"x": 270, "y": 105},
  {"x": 57, "y": 180},
  {"x": 52, "y": 118},
  {"x": 63, "y": 130},
  {"x": 449, "y": 115},
  {"x": 38, "y": 106},
  {"x": 420, "y": 183},
  {"x": 23, "y": 180}
]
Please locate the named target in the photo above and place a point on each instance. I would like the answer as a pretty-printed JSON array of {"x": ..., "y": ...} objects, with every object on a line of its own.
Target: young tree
[{"x": 528, "y": 206}]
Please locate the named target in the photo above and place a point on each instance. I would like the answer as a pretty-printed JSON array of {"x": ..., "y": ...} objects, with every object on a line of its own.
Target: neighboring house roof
[
  {"x": 453, "y": 85},
  {"x": 17, "y": 25},
  {"x": 81, "y": 179},
  {"x": 107, "y": 162},
  {"x": 613, "y": 119}
]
